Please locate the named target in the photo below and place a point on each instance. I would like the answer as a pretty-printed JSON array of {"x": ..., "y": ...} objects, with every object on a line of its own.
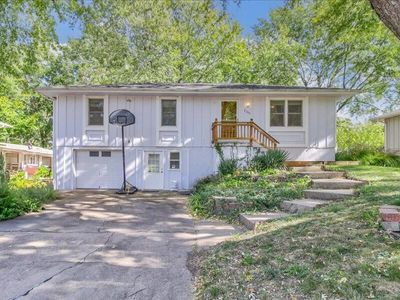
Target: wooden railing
[{"x": 242, "y": 131}]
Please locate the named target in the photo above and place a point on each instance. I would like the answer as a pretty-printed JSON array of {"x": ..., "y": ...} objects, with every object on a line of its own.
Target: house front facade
[{"x": 171, "y": 146}]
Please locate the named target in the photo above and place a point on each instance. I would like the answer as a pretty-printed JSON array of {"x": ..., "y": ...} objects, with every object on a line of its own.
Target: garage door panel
[{"x": 98, "y": 172}]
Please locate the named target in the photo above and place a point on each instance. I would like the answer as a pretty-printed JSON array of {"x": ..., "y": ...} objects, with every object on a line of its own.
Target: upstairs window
[
  {"x": 277, "y": 117},
  {"x": 295, "y": 113},
  {"x": 96, "y": 112},
  {"x": 286, "y": 113},
  {"x": 168, "y": 112}
]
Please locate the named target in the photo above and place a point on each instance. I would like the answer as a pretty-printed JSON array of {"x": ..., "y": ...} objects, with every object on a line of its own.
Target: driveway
[{"x": 97, "y": 245}]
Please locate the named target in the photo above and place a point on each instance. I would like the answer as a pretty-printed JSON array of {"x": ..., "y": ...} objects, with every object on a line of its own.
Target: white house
[
  {"x": 392, "y": 131},
  {"x": 171, "y": 144}
]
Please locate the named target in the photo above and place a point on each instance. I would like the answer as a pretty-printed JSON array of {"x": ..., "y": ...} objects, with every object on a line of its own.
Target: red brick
[{"x": 389, "y": 214}]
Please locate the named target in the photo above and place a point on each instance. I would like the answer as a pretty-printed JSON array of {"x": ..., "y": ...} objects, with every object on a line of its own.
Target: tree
[
  {"x": 157, "y": 41},
  {"x": 389, "y": 13},
  {"x": 27, "y": 44},
  {"x": 330, "y": 48}
]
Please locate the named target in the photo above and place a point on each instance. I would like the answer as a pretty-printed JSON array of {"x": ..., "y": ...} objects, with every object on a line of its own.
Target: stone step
[
  {"x": 322, "y": 174},
  {"x": 335, "y": 183},
  {"x": 252, "y": 221},
  {"x": 314, "y": 168},
  {"x": 330, "y": 194},
  {"x": 303, "y": 205}
]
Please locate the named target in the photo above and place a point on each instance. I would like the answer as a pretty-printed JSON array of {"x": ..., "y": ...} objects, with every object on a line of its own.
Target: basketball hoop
[{"x": 123, "y": 118}]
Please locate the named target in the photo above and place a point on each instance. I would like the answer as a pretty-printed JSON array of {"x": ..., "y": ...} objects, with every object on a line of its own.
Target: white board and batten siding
[
  {"x": 314, "y": 141},
  {"x": 392, "y": 134}
]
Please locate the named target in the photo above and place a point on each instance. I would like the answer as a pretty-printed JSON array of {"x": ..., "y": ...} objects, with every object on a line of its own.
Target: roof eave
[{"x": 50, "y": 93}]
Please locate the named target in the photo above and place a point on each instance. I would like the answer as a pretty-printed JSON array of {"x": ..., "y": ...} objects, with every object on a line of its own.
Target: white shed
[{"x": 392, "y": 131}]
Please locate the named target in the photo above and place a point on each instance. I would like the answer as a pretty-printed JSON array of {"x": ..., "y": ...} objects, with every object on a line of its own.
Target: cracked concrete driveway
[{"x": 103, "y": 246}]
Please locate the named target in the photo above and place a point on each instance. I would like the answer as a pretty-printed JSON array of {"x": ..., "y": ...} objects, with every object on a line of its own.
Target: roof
[
  {"x": 26, "y": 149},
  {"x": 4, "y": 125},
  {"x": 201, "y": 88},
  {"x": 386, "y": 116}
]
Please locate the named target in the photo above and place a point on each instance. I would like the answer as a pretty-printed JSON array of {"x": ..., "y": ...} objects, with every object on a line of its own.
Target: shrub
[
  {"x": 356, "y": 140},
  {"x": 18, "y": 181},
  {"x": 271, "y": 159},
  {"x": 381, "y": 159},
  {"x": 43, "y": 172},
  {"x": 227, "y": 166},
  {"x": 15, "y": 202},
  {"x": 2, "y": 171}
]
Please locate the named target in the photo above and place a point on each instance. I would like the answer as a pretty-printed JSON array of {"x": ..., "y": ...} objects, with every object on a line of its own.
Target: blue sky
[{"x": 246, "y": 13}]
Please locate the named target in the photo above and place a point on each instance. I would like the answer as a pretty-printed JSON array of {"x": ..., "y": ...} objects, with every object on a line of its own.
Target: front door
[
  {"x": 153, "y": 171},
  {"x": 229, "y": 117}
]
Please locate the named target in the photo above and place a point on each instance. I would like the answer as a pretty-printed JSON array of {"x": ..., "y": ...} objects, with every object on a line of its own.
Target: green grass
[{"x": 337, "y": 252}]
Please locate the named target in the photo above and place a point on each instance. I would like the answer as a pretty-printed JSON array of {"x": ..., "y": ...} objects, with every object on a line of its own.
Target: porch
[{"x": 248, "y": 132}]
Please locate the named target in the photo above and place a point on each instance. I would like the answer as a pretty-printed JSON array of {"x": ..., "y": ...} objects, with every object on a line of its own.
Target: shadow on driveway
[{"x": 99, "y": 245}]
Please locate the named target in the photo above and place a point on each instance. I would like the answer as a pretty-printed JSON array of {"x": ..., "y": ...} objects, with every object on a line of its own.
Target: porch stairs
[
  {"x": 233, "y": 131},
  {"x": 326, "y": 188}
]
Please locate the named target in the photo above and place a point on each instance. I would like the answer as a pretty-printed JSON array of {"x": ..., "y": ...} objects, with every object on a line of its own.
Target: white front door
[{"x": 153, "y": 171}]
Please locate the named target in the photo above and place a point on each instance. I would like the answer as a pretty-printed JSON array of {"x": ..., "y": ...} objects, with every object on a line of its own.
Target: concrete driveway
[{"x": 103, "y": 246}]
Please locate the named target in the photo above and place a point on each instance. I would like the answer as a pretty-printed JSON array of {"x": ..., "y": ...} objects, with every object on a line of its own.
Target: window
[
  {"x": 286, "y": 113},
  {"x": 174, "y": 160},
  {"x": 106, "y": 153},
  {"x": 153, "y": 163},
  {"x": 295, "y": 113},
  {"x": 96, "y": 112},
  {"x": 228, "y": 110},
  {"x": 93, "y": 153},
  {"x": 168, "y": 112},
  {"x": 277, "y": 115}
]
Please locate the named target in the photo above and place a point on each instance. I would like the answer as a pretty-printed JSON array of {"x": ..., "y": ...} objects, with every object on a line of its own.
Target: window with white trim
[
  {"x": 174, "y": 160},
  {"x": 286, "y": 113},
  {"x": 95, "y": 112},
  {"x": 277, "y": 113},
  {"x": 168, "y": 112},
  {"x": 295, "y": 113}
]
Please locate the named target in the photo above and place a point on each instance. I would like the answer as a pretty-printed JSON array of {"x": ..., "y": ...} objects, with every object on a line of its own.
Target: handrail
[{"x": 232, "y": 130}]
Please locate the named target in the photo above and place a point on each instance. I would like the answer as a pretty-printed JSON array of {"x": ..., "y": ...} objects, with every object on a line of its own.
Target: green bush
[
  {"x": 20, "y": 195},
  {"x": 228, "y": 166},
  {"x": 271, "y": 159},
  {"x": 16, "y": 202},
  {"x": 18, "y": 181},
  {"x": 264, "y": 191},
  {"x": 357, "y": 140},
  {"x": 380, "y": 159},
  {"x": 43, "y": 172}
]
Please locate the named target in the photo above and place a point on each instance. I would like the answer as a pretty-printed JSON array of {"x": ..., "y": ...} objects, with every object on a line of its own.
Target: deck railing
[{"x": 242, "y": 131}]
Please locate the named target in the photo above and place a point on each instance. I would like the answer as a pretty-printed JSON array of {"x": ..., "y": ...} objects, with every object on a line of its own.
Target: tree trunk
[{"x": 389, "y": 12}]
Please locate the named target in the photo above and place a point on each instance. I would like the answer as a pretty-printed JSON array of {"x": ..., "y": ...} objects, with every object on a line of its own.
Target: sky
[{"x": 246, "y": 13}]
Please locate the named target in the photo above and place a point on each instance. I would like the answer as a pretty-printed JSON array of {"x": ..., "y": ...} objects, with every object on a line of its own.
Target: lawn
[{"x": 335, "y": 252}]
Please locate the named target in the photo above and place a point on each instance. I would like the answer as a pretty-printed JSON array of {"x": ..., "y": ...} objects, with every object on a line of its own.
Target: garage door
[{"x": 99, "y": 169}]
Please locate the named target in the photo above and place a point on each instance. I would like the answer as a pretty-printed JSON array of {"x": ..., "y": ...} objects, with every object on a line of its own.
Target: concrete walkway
[{"x": 103, "y": 246}]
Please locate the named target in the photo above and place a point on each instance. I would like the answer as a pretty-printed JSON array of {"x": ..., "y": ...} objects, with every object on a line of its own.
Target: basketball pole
[{"x": 123, "y": 157}]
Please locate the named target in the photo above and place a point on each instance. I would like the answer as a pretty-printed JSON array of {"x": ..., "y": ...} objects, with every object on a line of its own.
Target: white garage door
[{"x": 99, "y": 169}]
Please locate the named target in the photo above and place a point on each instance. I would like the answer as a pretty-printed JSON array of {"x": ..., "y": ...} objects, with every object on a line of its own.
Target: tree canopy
[{"x": 325, "y": 43}]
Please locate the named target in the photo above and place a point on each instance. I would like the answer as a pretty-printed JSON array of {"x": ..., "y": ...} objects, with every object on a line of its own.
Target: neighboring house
[
  {"x": 27, "y": 158},
  {"x": 392, "y": 131},
  {"x": 171, "y": 144}
]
